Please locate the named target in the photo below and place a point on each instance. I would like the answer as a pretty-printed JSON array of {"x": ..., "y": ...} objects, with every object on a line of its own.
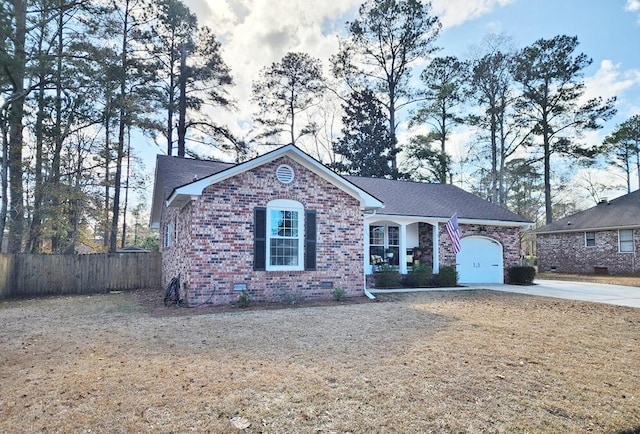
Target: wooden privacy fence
[{"x": 34, "y": 275}]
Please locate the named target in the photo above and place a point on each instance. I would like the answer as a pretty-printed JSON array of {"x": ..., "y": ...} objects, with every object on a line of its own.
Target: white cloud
[
  {"x": 455, "y": 12},
  {"x": 256, "y": 33},
  {"x": 611, "y": 80},
  {"x": 633, "y": 6}
]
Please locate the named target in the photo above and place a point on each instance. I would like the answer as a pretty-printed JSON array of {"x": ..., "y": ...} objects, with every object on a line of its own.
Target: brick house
[
  {"x": 284, "y": 225},
  {"x": 601, "y": 239}
]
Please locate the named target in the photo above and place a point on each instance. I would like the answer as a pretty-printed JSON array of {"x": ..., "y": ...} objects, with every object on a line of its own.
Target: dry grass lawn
[
  {"x": 467, "y": 361},
  {"x": 633, "y": 280}
]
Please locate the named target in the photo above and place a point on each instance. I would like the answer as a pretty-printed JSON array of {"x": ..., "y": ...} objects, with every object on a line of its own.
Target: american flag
[{"x": 454, "y": 232}]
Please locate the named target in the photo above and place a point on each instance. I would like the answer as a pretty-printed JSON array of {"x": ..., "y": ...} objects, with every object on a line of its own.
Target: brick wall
[
  {"x": 568, "y": 253},
  {"x": 425, "y": 236},
  {"x": 214, "y": 239}
]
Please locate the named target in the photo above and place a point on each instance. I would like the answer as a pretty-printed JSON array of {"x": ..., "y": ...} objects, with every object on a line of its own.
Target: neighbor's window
[
  {"x": 590, "y": 239},
  {"x": 625, "y": 239},
  {"x": 285, "y": 233}
]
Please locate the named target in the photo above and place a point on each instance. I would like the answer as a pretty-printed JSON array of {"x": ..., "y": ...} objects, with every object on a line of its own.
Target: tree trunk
[
  {"x": 171, "y": 102},
  {"x": 122, "y": 122},
  {"x": 182, "y": 108},
  {"x": 392, "y": 130},
  {"x": 54, "y": 183},
  {"x": 548, "y": 208},
  {"x": 494, "y": 155},
  {"x": 15, "y": 117},
  {"x": 33, "y": 243},
  {"x": 3, "y": 173},
  {"x": 638, "y": 161},
  {"x": 126, "y": 190},
  {"x": 107, "y": 160}
]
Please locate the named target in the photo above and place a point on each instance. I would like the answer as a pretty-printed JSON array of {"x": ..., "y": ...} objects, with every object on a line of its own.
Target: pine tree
[{"x": 366, "y": 145}]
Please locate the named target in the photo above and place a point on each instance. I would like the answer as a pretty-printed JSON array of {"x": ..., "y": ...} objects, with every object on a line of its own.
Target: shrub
[
  {"x": 409, "y": 281},
  {"x": 522, "y": 275},
  {"x": 530, "y": 261},
  {"x": 244, "y": 299},
  {"x": 288, "y": 297},
  {"x": 420, "y": 276},
  {"x": 338, "y": 294},
  {"x": 448, "y": 276},
  {"x": 387, "y": 277}
]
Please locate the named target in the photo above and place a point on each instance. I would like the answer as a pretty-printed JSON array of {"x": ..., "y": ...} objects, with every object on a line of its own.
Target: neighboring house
[
  {"x": 283, "y": 225},
  {"x": 602, "y": 239}
]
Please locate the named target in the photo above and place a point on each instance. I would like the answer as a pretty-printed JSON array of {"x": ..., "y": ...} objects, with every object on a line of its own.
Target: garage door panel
[{"x": 480, "y": 261}]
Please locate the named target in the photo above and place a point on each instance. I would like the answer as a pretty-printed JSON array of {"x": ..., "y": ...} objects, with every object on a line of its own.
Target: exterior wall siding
[
  {"x": 214, "y": 239},
  {"x": 568, "y": 253}
]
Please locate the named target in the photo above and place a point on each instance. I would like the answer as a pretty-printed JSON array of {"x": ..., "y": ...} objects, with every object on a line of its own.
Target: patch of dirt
[
  {"x": 465, "y": 361},
  {"x": 153, "y": 300}
]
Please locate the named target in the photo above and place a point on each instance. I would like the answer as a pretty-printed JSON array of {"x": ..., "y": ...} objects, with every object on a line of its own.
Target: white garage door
[{"x": 480, "y": 261}]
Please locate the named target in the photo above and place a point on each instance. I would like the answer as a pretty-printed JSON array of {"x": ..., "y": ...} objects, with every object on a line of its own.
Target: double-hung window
[
  {"x": 590, "y": 239},
  {"x": 285, "y": 230},
  {"x": 284, "y": 237},
  {"x": 625, "y": 240},
  {"x": 382, "y": 241}
]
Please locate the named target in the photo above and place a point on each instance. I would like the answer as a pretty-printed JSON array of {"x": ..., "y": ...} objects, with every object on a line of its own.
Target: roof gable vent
[{"x": 285, "y": 174}]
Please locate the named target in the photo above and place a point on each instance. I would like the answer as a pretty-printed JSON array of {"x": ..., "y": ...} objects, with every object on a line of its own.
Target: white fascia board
[
  {"x": 194, "y": 189},
  {"x": 367, "y": 201},
  {"x": 487, "y": 222},
  {"x": 407, "y": 219}
]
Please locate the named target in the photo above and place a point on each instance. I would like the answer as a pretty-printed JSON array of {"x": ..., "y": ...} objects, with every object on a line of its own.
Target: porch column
[
  {"x": 403, "y": 249},
  {"x": 436, "y": 249},
  {"x": 365, "y": 249}
]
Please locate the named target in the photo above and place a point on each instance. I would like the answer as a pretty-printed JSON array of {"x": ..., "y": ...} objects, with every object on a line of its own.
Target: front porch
[{"x": 390, "y": 240}]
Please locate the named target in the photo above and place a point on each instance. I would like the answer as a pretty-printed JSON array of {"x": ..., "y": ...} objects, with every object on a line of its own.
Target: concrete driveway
[{"x": 585, "y": 291}]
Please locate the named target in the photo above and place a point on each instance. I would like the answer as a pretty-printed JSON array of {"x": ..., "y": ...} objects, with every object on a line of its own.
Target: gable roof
[
  {"x": 620, "y": 213},
  {"x": 441, "y": 201},
  {"x": 179, "y": 179},
  {"x": 182, "y": 194},
  {"x": 172, "y": 172}
]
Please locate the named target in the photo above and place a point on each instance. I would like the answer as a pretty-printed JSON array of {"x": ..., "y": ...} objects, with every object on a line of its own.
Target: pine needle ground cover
[{"x": 467, "y": 361}]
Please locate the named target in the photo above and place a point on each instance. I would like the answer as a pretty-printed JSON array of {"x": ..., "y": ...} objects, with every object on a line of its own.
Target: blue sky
[
  {"x": 256, "y": 33},
  {"x": 608, "y": 31}
]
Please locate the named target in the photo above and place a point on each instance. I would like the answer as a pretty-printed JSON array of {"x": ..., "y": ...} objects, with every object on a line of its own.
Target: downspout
[{"x": 365, "y": 250}]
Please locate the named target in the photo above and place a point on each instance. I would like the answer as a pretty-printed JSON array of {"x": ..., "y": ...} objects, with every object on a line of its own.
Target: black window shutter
[
  {"x": 259, "y": 238},
  {"x": 310, "y": 241}
]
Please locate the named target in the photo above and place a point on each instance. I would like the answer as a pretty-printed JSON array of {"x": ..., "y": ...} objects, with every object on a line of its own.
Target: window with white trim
[
  {"x": 168, "y": 235},
  {"x": 285, "y": 235},
  {"x": 384, "y": 240},
  {"x": 625, "y": 240},
  {"x": 590, "y": 239}
]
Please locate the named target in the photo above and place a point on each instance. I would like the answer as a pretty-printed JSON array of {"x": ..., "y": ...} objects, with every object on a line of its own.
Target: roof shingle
[
  {"x": 402, "y": 198},
  {"x": 432, "y": 200},
  {"x": 622, "y": 212}
]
